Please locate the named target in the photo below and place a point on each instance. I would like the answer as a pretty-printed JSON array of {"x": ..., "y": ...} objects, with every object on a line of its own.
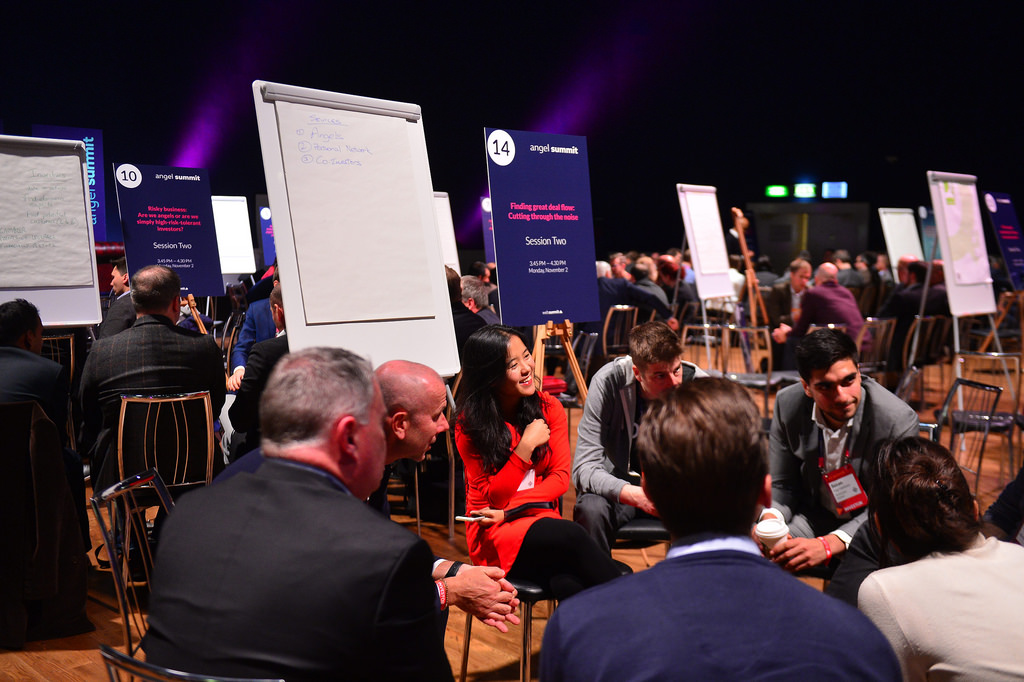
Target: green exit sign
[{"x": 776, "y": 191}]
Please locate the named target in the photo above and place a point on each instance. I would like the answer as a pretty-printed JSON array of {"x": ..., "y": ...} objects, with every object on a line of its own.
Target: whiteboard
[
  {"x": 901, "y": 238},
  {"x": 234, "y": 235},
  {"x": 47, "y": 250},
  {"x": 446, "y": 231},
  {"x": 962, "y": 242},
  {"x": 699, "y": 205},
  {"x": 349, "y": 186}
]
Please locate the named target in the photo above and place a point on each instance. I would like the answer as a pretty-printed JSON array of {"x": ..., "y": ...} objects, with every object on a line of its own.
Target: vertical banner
[
  {"x": 93, "y": 141},
  {"x": 543, "y": 227},
  {"x": 267, "y": 235},
  {"x": 1008, "y": 234},
  {"x": 167, "y": 218},
  {"x": 929, "y": 234},
  {"x": 485, "y": 209}
]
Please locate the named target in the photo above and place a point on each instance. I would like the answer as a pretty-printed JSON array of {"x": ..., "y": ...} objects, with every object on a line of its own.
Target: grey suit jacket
[
  {"x": 605, "y": 433},
  {"x": 152, "y": 357},
  {"x": 121, "y": 316},
  {"x": 794, "y": 446}
]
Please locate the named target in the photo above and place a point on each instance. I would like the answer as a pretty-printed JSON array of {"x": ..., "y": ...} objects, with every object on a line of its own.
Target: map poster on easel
[
  {"x": 962, "y": 241},
  {"x": 543, "y": 227},
  {"x": 1008, "y": 234}
]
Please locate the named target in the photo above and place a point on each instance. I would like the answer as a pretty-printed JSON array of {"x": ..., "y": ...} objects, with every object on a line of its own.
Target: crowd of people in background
[{"x": 303, "y": 576}]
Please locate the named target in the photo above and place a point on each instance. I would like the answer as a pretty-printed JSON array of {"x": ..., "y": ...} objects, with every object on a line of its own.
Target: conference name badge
[{"x": 846, "y": 490}]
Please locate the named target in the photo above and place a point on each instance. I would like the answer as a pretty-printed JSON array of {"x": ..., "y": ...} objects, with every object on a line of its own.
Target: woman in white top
[{"x": 956, "y": 610}]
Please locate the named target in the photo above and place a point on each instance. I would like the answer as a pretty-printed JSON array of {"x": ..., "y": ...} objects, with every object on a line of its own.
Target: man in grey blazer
[
  {"x": 823, "y": 429},
  {"x": 151, "y": 357},
  {"x": 605, "y": 470}
]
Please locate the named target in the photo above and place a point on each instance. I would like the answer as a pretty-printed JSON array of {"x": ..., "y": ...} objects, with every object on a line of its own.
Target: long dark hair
[
  {"x": 921, "y": 499},
  {"x": 484, "y": 363}
]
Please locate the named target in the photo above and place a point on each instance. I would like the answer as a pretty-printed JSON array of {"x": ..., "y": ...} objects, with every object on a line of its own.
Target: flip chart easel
[
  {"x": 348, "y": 179},
  {"x": 46, "y": 237},
  {"x": 703, "y": 223}
]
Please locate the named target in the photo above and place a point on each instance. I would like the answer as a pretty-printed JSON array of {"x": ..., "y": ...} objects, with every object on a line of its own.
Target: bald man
[
  {"x": 415, "y": 399},
  {"x": 826, "y": 303}
]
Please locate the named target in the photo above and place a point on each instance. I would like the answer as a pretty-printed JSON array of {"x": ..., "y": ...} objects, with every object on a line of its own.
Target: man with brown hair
[
  {"x": 714, "y": 608},
  {"x": 605, "y": 466}
]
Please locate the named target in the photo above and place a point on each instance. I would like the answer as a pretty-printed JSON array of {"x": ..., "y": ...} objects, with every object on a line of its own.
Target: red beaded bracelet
[{"x": 828, "y": 549}]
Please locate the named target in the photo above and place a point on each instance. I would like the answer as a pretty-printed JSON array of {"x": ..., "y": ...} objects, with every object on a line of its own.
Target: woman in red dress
[{"x": 514, "y": 443}]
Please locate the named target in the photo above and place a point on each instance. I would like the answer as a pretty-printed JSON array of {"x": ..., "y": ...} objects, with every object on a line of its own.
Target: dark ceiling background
[{"x": 733, "y": 94}]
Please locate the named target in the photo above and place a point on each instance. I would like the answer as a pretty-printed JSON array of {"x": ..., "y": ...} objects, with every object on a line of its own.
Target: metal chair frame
[
  {"x": 618, "y": 322},
  {"x": 529, "y": 594},
  {"x": 117, "y": 663},
  {"x": 125, "y": 534},
  {"x": 969, "y": 417},
  {"x": 175, "y": 473}
]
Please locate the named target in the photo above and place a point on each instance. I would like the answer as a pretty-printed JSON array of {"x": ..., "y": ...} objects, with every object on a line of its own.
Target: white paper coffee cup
[{"x": 771, "y": 531}]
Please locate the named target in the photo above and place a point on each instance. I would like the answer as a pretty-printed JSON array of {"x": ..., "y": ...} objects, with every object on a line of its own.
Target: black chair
[
  {"x": 642, "y": 533},
  {"x": 134, "y": 669},
  {"x": 969, "y": 419},
  {"x": 170, "y": 433},
  {"x": 529, "y": 594},
  {"x": 122, "y": 514}
]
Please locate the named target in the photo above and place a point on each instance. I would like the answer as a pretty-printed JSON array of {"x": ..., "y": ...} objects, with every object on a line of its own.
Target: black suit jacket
[
  {"x": 121, "y": 316},
  {"x": 27, "y": 376},
  {"x": 152, "y": 357},
  {"x": 245, "y": 410},
  {"x": 279, "y": 573}
]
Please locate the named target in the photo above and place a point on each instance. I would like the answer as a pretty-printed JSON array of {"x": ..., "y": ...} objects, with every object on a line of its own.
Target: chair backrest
[
  {"x": 618, "y": 322},
  {"x": 61, "y": 349},
  {"x": 746, "y": 350},
  {"x": 929, "y": 431},
  {"x": 703, "y": 345},
  {"x": 121, "y": 512},
  {"x": 583, "y": 346},
  {"x": 924, "y": 327},
  {"x": 967, "y": 411},
  {"x": 874, "y": 356},
  {"x": 134, "y": 669},
  {"x": 906, "y": 384},
  {"x": 997, "y": 369},
  {"x": 170, "y": 433}
]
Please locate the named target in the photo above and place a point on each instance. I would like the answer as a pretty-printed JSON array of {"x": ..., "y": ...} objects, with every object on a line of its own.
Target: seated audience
[
  {"x": 285, "y": 572},
  {"x": 152, "y": 357},
  {"x": 826, "y": 303},
  {"x": 514, "y": 443},
  {"x": 847, "y": 275},
  {"x": 474, "y": 297},
  {"x": 244, "y": 410},
  {"x": 258, "y": 326},
  {"x": 714, "y": 609},
  {"x": 121, "y": 313},
  {"x": 613, "y": 291},
  {"x": 823, "y": 430},
  {"x": 606, "y": 468},
  {"x": 905, "y": 302},
  {"x": 954, "y": 611}
]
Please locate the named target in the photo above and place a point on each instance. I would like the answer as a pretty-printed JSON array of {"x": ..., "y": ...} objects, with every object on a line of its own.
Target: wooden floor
[{"x": 493, "y": 655}]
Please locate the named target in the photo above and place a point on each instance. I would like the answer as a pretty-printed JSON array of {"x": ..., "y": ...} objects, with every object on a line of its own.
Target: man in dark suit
[
  {"x": 152, "y": 357},
  {"x": 614, "y": 291},
  {"x": 825, "y": 428},
  {"x": 244, "y": 411},
  {"x": 284, "y": 572},
  {"x": 465, "y": 320},
  {"x": 905, "y": 302},
  {"x": 714, "y": 609},
  {"x": 26, "y": 375},
  {"x": 121, "y": 313}
]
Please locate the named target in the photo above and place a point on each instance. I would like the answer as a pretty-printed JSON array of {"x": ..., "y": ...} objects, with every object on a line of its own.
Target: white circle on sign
[
  {"x": 128, "y": 176},
  {"x": 486, "y": 205},
  {"x": 265, "y": 213},
  {"x": 500, "y": 147},
  {"x": 990, "y": 202}
]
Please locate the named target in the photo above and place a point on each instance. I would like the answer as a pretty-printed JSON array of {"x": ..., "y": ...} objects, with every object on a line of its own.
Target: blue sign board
[
  {"x": 167, "y": 219},
  {"x": 543, "y": 227},
  {"x": 93, "y": 140},
  {"x": 485, "y": 209},
  {"x": 267, "y": 235},
  {"x": 1008, "y": 234}
]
